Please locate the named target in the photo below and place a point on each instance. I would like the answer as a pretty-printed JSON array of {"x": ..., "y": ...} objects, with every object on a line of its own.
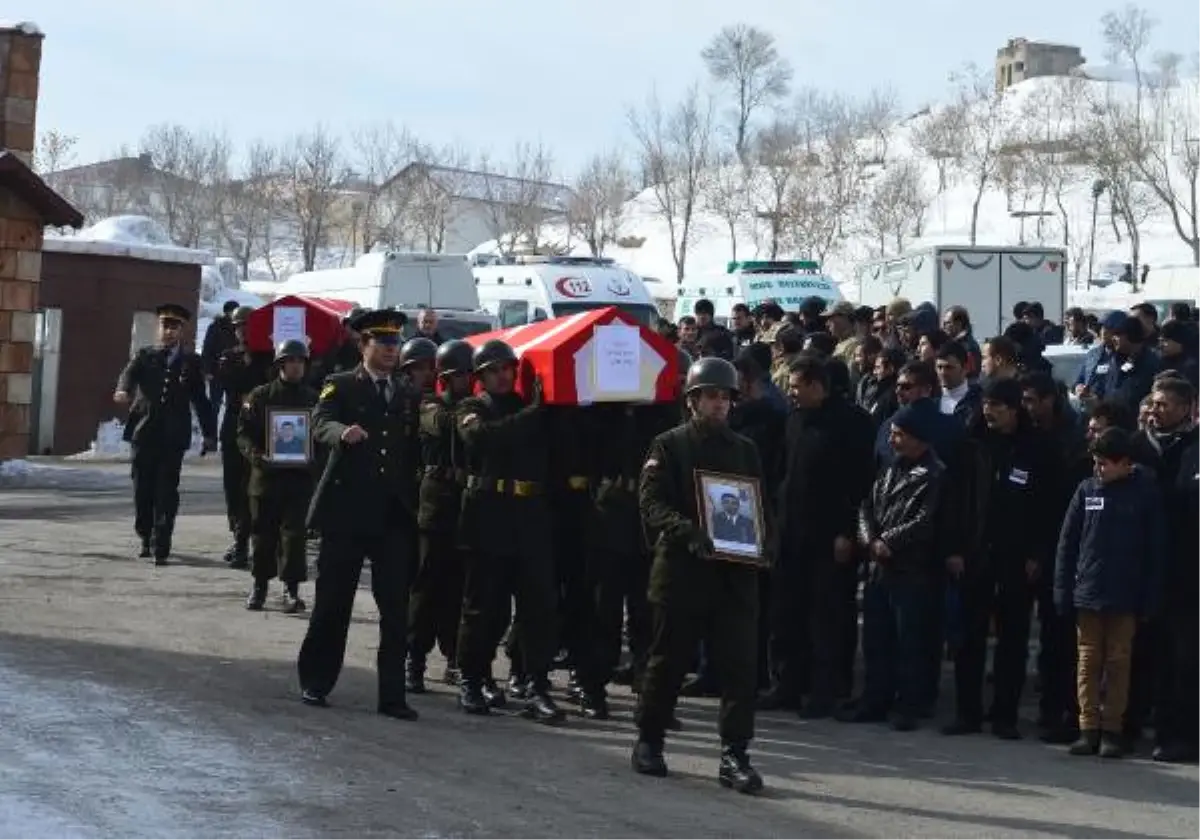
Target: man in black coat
[
  {"x": 828, "y": 470},
  {"x": 163, "y": 385},
  {"x": 1011, "y": 530}
]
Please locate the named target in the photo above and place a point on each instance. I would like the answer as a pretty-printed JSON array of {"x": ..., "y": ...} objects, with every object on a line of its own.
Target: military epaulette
[{"x": 327, "y": 391}]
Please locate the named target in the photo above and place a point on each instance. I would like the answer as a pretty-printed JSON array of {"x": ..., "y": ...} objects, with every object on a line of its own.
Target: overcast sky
[{"x": 557, "y": 71}]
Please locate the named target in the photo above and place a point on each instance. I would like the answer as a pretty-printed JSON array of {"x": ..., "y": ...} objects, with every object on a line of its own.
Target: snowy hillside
[{"x": 946, "y": 220}]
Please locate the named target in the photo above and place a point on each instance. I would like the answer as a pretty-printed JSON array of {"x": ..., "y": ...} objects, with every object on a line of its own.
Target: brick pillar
[{"x": 20, "y": 238}]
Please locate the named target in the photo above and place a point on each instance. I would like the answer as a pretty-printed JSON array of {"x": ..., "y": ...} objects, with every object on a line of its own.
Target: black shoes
[
  {"x": 493, "y": 695},
  {"x": 593, "y": 705},
  {"x": 648, "y": 760},
  {"x": 736, "y": 772},
  {"x": 414, "y": 675},
  {"x": 237, "y": 556},
  {"x": 1174, "y": 753},
  {"x": 312, "y": 698},
  {"x": 471, "y": 698},
  {"x": 257, "y": 597},
  {"x": 518, "y": 687},
  {"x": 1111, "y": 745},
  {"x": 290, "y": 601},
  {"x": 961, "y": 726},
  {"x": 540, "y": 707},
  {"x": 1088, "y": 743},
  {"x": 399, "y": 710},
  {"x": 145, "y": 551},
  {"x": 1006, "y": 731}
]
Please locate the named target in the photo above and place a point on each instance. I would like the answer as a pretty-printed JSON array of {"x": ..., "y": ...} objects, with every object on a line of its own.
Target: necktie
[{"x": 381, "y": 385}]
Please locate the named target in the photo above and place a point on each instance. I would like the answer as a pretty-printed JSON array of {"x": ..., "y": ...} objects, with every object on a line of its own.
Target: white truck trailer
[{"x": 988, "y": 281}]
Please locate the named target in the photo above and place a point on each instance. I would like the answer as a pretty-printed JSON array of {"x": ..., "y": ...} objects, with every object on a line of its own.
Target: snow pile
[
  {"x": 219, "y": 283},
  {"x": 17, "y": 466},
  {"x": 25, "y": 27},
  {"x": 109, "y": 445},
  {"x": 136, "y": 237}
]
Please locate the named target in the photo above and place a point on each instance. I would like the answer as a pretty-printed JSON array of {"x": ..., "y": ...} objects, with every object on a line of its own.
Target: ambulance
[
  {"x": 526, "y": 289},
  {"x": 786, "y": 282}
]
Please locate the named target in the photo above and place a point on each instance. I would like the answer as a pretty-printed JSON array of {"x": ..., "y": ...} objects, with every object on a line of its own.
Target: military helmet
[
  {"x": 241, "y": 315},
  {"x": 711, "y": 372},
  {"x": 454, "y": 357},
  {"x": 492, "y": 353},
  {"x": 293, "y": 348},
  {"x": 417, "y": 350}
]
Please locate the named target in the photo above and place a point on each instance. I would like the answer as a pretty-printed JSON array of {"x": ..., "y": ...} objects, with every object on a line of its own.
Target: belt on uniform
[
  {"x": 629, "y": 485},
  {"x": 578, "y": 482},
  {"x": 446, "y": 473},
  {"x": 504, "y": 486}
]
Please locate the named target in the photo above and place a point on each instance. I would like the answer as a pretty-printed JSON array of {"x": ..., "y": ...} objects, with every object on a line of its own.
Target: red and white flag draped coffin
[
  {"x": 315, "y": 320},
  {"x": 596, "y": 356}
]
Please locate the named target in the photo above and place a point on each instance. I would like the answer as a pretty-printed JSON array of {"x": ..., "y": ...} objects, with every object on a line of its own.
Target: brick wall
[{"x": 20, "y": 239}]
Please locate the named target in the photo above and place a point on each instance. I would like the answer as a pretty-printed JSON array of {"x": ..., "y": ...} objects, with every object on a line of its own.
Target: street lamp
[{"x": 1098, "y": 188}]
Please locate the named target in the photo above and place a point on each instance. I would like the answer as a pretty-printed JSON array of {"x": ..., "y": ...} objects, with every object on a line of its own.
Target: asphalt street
[{"x": 146, "y": 702}]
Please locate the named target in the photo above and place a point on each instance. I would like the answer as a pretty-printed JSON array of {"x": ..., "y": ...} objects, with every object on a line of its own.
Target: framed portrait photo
[
  {"x": 730, "y": 507},
  {"x": 289, "y": 436}
]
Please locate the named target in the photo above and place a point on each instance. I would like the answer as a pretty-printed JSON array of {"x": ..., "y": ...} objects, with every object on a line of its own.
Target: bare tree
[
  {"x": 781, "y": 152},
  {"x": 597, "y": 207},
  {"x": 676, "y": 149},
  {"x": 1047, "y": 136},
  {"x": 519, "y": 196},
  {"x": 55, "y": 151},
  {"x": 939, "y": 137},
  {"x": 314, "y": 173},
  {"x": 831, "y": 127},
  {"x": 813, "y": 218},
  {"x": 182, "y": 180},
  {"x": 744, "y": 59},
  {"x": 249, "y": 207},
  {"x": 439, "y": 178},
  {"x": 879, "y": 113},
  {"x": 896, "y": 206},
  {"x": 984, "y": 120},
  {"x": 1127, "y": 34},
  {"x": 728, "y": 194},
  {"x": 381, "y": 150}
]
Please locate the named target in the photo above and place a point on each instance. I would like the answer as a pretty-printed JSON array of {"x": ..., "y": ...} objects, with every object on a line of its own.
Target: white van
[
  {"x": 404, "y": 281},
  {"x": 536, "y": 288},
  {"x": 787, "y": 282}
]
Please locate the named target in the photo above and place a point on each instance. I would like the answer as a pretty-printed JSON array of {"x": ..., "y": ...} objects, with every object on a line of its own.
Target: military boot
[
  {"x": 593, "y": 704},
  {"x": 258, "y": 596},
  {"x": 145, "y": 552},
  {"x": 494, "y": 694},
  {"x": 736, "y": 771},
  {"x": 290, "y": 601},
  {"x": 539, "y": 705},
  {"x": 518, "y": 686},
  {"x": 471, "y": 699},
  {"x": 647, "y": 758},
  {"x": 240, "y": 558},
  {"x": 574, "y": 689},
  {"x": 414, "y": 674}
]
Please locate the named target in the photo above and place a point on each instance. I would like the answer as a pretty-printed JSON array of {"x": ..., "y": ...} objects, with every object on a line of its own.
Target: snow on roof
[
  {"x": 134, "y": 237},
  {"x": 25, "y": 27}
]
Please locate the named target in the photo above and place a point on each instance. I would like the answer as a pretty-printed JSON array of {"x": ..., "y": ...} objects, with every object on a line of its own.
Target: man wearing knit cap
[
  {"x": 1134, "y": 363},
  {"x": 898, "y": 528},
  {"x": 1006, "y": 541}
]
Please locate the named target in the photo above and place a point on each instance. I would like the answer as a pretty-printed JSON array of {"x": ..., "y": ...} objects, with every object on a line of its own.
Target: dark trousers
[
  {"x": 934, "y": 647},
  {"x": 896, "y": 615},
  {"x": 1009, "y": 596},
  {"x": 571, "y": 511},
  {"x": 1177, "y": 701},
  {"x": 339, "y": 566},
  {"x": 280, "y": 537},
  {"x": 813, "y": 598},
  {"x": 730, "y": 624},
  {"x": 1058, "y": 704},
  {"x": 155, "y": 474},
  {"x": 235, "y": 471},
  {"x": 618, "y": 584},
  {"x": 1148, "y": 650},
  {"x": 216, "y": 395},
  {"x": 435, "y": 601},
  {"x": 491, "y": 580}
]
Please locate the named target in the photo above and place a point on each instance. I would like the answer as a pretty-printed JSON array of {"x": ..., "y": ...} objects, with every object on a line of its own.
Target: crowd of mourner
[{"x": 887, "y": 481}]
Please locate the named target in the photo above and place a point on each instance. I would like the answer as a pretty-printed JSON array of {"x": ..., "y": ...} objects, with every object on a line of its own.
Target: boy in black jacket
[{"x": 1111, "y": 554}]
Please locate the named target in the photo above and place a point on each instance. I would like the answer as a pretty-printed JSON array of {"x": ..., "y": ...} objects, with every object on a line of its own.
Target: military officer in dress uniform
[
  {"x": 418, "y": 358},
  {"x": 163, "y": 385},
  {"x": 435, "y": 603},
  {"x": 694, "y": 595},
  {"x": 506, "y": 524},
  {"x": 236, "y": 374},
  {"x": 364, "y": 508},
  {"x": 279, "y": 493}
]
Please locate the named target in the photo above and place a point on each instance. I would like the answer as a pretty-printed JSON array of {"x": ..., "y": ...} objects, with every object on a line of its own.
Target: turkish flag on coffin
[
  {"x": 313, "y": 319},
  {"x": 601, "y": 355}
]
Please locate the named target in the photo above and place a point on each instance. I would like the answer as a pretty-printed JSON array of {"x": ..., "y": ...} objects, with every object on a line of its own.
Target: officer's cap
[
  {"x": 379, "y": 323},
  {"x": 173, "y": 312}
]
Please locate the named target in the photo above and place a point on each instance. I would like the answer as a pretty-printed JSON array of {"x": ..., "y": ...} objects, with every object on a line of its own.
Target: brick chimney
[
  {"x": 20, "y": 238},
  {"x": 20, "y": 64}
]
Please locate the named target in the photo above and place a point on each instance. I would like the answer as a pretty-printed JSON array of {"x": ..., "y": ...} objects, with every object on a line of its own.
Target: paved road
[{"x": 141, "y": 702}]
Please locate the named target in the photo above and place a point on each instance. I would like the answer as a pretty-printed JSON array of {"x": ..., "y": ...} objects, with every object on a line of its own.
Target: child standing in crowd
[{"x": 1109, "y": 570}]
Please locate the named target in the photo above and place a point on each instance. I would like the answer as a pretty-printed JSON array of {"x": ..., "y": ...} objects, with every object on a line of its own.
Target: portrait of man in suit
[{"x": 730, "y": 523}]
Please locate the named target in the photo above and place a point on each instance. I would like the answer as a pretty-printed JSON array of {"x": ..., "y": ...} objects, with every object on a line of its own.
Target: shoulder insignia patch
[{"x": 327, "y": 391}]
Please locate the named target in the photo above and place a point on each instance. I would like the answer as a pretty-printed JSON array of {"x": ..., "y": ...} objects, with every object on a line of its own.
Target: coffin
[
  {"x": 596, "y": 356},
  {"x": 315, "y": 320}
]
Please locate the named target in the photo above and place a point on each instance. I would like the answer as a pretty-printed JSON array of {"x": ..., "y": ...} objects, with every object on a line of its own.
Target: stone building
[
  {"x": 1022, "y": 59},
  {"x": 27, "y": 206}
]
